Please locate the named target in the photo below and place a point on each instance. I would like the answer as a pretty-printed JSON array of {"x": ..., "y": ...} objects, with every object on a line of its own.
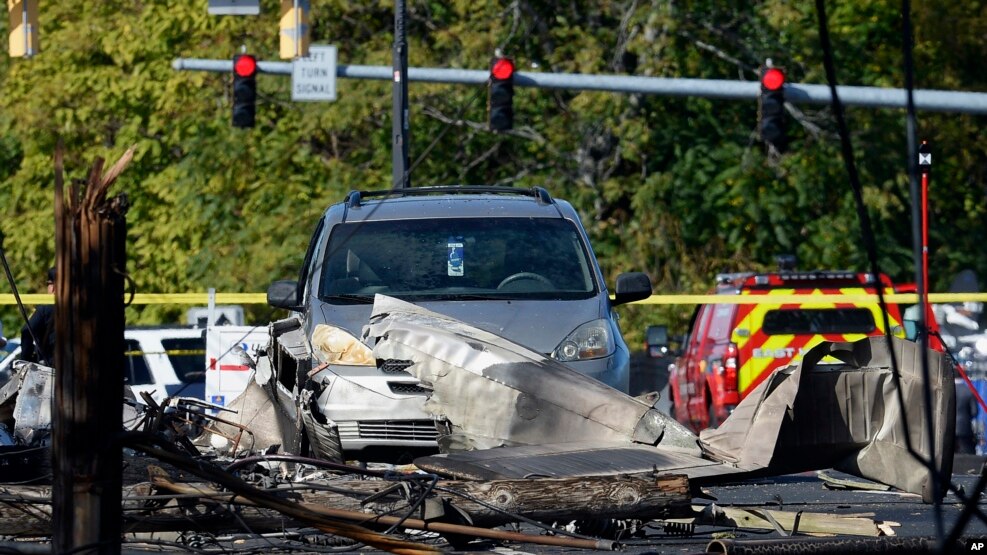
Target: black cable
[
  {"x": 159, "y": 447},
  {"x": 412, "y": 507},
  {"x": 448, "y": 126},
  {"x": 871, "y": 249},
  {"x": 937, "y": 489},
  {"x": 971, "y": 504},
  {"x": 17, "y": 298},
  {"x": 229, "y": 507}
]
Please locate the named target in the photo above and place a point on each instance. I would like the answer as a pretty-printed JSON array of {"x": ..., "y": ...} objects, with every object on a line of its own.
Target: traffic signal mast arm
[{"x": 872, "y": 97}]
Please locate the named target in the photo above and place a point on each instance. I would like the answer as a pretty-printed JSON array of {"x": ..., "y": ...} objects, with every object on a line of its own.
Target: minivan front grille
[
  {"x": 407, "y": 388},
  {"x": 407, "y": 430},
  {"x": 392, "y": 366}
]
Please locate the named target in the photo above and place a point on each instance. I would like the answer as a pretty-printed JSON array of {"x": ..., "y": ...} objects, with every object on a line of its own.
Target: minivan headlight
[
  {"x": 588, "y": 341},
  {"x": 338, "y": 346}
]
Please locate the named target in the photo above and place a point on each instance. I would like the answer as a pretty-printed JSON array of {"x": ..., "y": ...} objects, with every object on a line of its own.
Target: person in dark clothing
[{"x": 42, "y": 324}]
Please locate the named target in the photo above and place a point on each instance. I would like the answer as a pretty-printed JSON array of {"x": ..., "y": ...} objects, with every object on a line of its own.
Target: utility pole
[
  {"x": 87, "y": 458},
  {"x": 399, "y": 124}
]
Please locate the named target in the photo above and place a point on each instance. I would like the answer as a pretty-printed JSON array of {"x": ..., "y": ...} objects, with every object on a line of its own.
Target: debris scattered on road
[
  {"x": 526, "y": 442},
  {"x": 512, "y": 412}
]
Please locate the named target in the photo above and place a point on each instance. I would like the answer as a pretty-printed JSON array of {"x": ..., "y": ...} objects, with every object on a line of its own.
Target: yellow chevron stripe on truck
[{"x": 761, "y": 353}]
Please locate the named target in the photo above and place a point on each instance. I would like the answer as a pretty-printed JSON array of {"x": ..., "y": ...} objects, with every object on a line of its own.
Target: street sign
[
  {"x": 234, "y": 7},
  {"x": 219, "y": 315},
  {"x": 295, "y": 29},
  {"x": 23, "y": 41},
  {"x": 313, "y": 78}
]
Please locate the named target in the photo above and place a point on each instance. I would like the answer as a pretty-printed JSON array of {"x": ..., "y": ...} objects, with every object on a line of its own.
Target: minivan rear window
[
  {"x": 457, "y": 259},
  {"x": 802, "y": 321}
]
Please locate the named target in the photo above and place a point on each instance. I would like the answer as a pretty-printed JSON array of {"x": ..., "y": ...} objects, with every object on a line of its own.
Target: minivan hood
[{"x": 534, "y": 324}]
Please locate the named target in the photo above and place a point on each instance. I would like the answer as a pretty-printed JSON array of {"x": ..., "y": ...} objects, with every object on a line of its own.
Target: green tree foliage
[{"x": 677, "y": 187}]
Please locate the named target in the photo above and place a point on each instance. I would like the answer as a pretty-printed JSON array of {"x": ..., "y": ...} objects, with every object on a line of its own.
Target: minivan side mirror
[
  {"x": 283, "y": 294},
  {"x": 632, "y": 286}
]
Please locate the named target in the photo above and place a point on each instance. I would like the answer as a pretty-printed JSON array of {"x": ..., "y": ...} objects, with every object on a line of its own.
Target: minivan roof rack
[{"x": 355, "y": 198}]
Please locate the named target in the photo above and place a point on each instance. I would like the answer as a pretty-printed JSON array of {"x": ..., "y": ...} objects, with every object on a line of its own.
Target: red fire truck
[{"x": 731, "y": 347}]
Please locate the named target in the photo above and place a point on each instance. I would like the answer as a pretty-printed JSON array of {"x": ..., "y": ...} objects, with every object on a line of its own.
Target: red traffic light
[
  {"x": 503, "y": 68},
  {"x": 772, "y": 79},
  {"x": 245, "y": 65}
]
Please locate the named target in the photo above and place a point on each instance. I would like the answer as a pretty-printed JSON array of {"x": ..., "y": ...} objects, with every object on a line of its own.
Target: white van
[
  {"x": 164, "y": 362},
  {"x": 231, "y": 352}
]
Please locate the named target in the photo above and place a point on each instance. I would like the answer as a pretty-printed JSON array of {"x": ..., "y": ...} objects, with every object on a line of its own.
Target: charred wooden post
[{"x": 90, "y": 246}]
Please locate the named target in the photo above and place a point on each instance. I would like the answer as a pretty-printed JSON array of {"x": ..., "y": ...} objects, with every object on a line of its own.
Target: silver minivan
[{"x": 515, "y": 262}]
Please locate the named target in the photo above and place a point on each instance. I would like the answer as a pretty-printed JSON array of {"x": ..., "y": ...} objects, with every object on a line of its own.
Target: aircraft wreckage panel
[
  {"x": 569, "y": 460},
  {"x": 845, "y": 416},
  {"x": 522, "y": 414},
  {"x": 495, "y": 393}
]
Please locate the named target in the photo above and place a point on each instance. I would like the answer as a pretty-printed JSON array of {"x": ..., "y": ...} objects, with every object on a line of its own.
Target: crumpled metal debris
[
  {"x": 252, "y": 412},
  {"x": 552, "y": 421},
  {"x": 497, "y": 393},
  {"x": 846, "y": 416},
  {"x": 25, "y": 423},
  {"x": 30, "y": 391}
]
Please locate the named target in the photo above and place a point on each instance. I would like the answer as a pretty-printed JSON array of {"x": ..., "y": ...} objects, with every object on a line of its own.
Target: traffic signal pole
[
  {"x": 925, "y": 167},
  {"x": 399, "y": 116},
  {"x": 796, "y": 93}
]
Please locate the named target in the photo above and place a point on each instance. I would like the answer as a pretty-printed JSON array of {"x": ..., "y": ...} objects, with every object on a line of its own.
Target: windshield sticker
[{"x": 455, "y": 267}]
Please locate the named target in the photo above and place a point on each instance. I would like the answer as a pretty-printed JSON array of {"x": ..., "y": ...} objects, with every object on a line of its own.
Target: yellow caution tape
[
  {"x": 898, "y": 298},
  {"x": 200, "y": 352},
  {"x": 156, "y": 298},
  {"x": 261, "y": 298}
]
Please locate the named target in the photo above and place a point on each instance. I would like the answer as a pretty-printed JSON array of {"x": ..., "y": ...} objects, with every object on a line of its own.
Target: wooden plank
[{"x": 808, "y": 522}]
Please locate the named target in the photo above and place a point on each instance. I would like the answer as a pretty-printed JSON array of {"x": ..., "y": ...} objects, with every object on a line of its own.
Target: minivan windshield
[{"x": 456, "y": 259}]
